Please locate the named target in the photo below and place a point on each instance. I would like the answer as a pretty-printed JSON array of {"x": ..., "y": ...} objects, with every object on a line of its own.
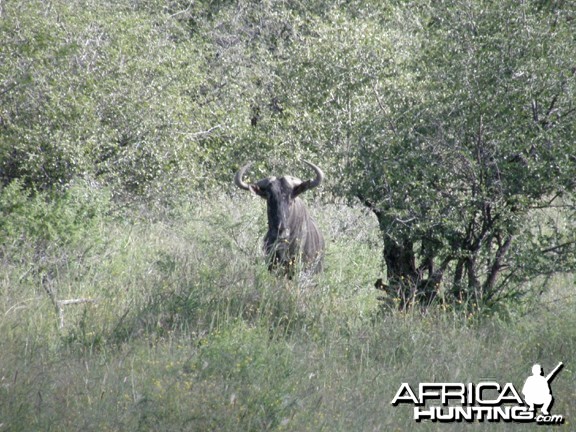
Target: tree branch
[
  {"x": 497, "y": 265},
  {"x": 557, "y": 247}
]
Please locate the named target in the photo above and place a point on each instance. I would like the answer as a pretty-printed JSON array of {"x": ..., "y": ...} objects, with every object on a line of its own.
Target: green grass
[{"x": 186, "y": 331}]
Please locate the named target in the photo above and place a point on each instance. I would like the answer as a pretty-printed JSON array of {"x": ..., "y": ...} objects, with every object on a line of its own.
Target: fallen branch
[{"x": 61, "y": 303}]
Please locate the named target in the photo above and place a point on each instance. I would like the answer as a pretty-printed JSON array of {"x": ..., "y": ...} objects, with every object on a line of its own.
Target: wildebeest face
[{"x": 279, "y": 194}]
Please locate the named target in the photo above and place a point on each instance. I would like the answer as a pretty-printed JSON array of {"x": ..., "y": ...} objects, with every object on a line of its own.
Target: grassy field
[{"x": 179, "y": 327}]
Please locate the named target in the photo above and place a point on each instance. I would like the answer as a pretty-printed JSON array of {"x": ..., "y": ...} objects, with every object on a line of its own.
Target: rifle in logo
[{"x": 553, "y": 374}]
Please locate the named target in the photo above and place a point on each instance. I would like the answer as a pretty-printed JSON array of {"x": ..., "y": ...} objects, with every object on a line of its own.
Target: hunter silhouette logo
[
  {"x": 483, "y": 401},
  {"x": 537, "y": 391}
]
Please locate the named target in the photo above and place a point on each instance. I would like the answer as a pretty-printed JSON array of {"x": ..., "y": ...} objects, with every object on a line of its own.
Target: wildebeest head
[{"x": 292, "y": 233}]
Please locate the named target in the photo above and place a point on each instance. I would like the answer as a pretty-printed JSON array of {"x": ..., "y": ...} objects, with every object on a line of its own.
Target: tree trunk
[{"x": 400, "y": 261}]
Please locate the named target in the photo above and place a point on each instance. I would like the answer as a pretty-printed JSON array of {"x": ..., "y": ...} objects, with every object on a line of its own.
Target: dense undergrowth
[{"x": 175, "y": 324}]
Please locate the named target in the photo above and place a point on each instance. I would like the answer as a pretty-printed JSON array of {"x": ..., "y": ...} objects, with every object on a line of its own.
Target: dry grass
[{"x": 189, "y": 332}]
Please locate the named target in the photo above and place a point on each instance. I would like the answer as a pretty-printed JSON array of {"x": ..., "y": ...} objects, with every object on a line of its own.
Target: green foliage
[
  {"x": 472, "y": 130},
  {"x": 133, "y": 293},
  {"x": 98, "y": 89},
  {"x": 50, "y": 218}
]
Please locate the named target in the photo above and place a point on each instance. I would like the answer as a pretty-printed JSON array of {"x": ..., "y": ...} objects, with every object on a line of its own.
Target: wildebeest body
[{"x": 293, "y": 235}]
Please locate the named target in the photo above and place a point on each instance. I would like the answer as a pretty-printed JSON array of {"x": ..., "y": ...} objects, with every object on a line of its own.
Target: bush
[{"x": 50, "y": 218}]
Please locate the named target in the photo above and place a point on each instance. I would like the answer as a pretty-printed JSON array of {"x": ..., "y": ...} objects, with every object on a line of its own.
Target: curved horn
[
  {"x": 319, "y": 175},
  {"x": 240, "y": 174}
]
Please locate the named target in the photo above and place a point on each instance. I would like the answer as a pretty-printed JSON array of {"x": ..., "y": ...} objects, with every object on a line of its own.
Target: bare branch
[
  {"x": 557, "y": 247},
  {"x": 61, "y": 303}
]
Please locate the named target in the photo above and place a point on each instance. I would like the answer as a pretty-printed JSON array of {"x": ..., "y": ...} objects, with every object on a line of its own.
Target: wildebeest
[{"x": 292, "y": 233}]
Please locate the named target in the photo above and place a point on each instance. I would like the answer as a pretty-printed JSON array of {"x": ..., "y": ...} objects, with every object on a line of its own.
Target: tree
[{"x": 455, "y": 165}]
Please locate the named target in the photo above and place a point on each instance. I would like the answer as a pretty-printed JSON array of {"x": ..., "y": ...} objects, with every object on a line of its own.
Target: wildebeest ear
[
  {"x": 255, "y": 189},
  {"x": 309, "y": 184},
  {"x": 302, "y": 187}
]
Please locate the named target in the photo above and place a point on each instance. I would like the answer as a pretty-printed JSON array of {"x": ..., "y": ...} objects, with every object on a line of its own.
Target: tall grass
[{"x": 184, "y": 329}]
